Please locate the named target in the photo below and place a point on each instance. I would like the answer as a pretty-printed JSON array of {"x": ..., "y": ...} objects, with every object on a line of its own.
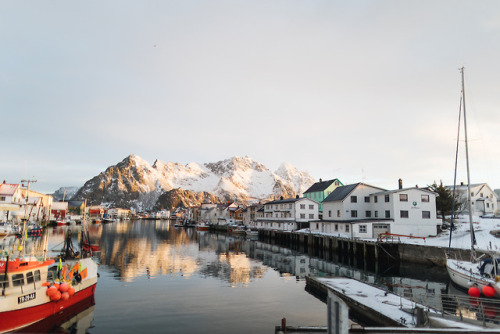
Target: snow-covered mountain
[{"x": 133, "y": 182}]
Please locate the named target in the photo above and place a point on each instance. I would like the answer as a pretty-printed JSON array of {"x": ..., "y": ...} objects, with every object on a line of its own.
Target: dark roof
[
  {"x": 340, "y": 193},
  {"x": 75, "y": 204},
  {"x": 289, "y": 200},
  {"x": 321, "y": 186}
]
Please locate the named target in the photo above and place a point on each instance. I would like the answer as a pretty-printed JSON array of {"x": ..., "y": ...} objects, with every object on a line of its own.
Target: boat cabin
[
  {"x": 22, "y": 275},
  {"x": 490, "y": 268}
]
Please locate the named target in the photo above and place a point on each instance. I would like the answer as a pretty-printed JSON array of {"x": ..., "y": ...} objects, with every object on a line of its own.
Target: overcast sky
[{"x": 363, "y": 91}]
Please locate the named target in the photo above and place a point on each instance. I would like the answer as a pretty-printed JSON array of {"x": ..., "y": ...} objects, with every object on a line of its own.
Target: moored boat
[
  {"x": 202, "y": 226},
  {"x": 479, "y": 275}
]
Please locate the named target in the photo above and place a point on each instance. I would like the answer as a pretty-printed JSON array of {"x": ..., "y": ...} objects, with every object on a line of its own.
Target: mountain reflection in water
[{"x": 159, "y": 278}]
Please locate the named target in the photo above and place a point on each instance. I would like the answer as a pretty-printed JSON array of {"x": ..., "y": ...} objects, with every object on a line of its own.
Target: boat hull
[
  {"x": 462, "y": 274},
  {"x": 23, "y": 317}
]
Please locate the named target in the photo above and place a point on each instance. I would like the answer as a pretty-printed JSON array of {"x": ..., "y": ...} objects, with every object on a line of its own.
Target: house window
[
  {"x": 472, "y": 194},
  {"x": 354, "y": 199},
  {"x": 329, "y": 213},
  {"x": 354, "y": 213},
  {"x": 302, "y": 216},
  {"x": 425, "y": 198},
  {"x": 336, "y": 227},
  {"x": 386, "y": 198},
  {"x": 375, "y": 199},
  {"x": 338, "y": 213},
  {"x": 426, "y": 214},
  {"x": 482, "y": 195},
  {"x": 368, "y": 214},
  {"x": 347, "y": 227},
  {"x": 387, "y": 214},
  {"x": 376, "y": 214},
  {"x": 362, "y": 228},
  {"x": 311, "y": 216},
  {"x": 2, "y": 198},
  {"x": 403, "y": 197},
  {"x": 403, "y": 213},
  {"x": 302, "y": 206},
  {"x": 289, "y": 206},
  {"x": 311, "y": 206},
  {"x": 367, "y": 199}
]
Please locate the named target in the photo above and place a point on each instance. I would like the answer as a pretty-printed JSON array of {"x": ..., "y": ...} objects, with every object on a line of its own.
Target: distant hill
[{"x": 134, "y": 183}]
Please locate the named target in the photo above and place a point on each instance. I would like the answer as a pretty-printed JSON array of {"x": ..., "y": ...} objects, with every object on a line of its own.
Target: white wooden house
[
  {"x": 363, "y": 211},
  {"x": 288, "y": 214},
  {"x": 484, "y": 199}
]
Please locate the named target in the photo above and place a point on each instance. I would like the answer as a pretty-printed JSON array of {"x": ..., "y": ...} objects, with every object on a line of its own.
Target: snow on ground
[
  {"x": 380, "y": 301},
  {"x": 461, "y": 235}
]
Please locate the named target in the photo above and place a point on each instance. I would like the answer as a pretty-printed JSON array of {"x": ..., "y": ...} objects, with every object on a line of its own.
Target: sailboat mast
[{"x": 469, "y": 200}]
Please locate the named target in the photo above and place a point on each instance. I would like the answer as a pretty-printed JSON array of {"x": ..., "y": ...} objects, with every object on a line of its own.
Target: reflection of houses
[
  {"x": 483, "y": 199},
  {"x": 320, "y": 190},
  {"x": 363, "y": 211},
  {"x": 17, "y": 203},
  {"x": 288, "y": 214},
  {"x": 283, "y": 259}
]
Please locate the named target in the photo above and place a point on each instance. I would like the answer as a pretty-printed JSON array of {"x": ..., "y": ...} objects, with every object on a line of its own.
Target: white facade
[
  {"x": 484, "y": 199},
  {"x": 364, "y": 211},
  {"x": 413, "y": 211},
  {"x": 288, "y": 214}
]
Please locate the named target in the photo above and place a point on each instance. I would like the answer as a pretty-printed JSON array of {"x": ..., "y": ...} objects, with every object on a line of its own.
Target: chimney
[
  {"x": 400, "y": 184},
  {"x": 281, "y": 198},
  {"x": 297, "y": 196},
  {"x": 320, "y": 180},
  {"x": 461, "y": 183}
]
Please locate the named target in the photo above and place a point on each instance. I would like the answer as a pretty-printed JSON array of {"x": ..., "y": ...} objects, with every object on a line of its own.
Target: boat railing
[{"x": 483, "y": 311}]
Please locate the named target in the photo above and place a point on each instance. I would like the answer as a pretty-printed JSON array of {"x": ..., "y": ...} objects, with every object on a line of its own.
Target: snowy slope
[{"x": 135, "y": 181}]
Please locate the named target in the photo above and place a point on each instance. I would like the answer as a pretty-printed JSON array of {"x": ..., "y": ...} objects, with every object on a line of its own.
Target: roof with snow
[
  {"x": 7, "y": 189},
  {"x": 321, "y": 186}
]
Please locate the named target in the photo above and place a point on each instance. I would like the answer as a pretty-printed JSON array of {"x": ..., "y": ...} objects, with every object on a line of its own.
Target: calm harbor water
[{"x": 156, "y": 278}]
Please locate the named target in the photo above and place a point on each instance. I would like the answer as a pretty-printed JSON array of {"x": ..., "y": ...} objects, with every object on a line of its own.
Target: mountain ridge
[{"x": 135, "y": 183}]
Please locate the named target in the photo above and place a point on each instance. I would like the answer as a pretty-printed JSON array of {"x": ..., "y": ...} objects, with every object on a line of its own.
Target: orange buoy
[
  {"x": 71, "y": 291},
  {"x": 46, "y": 284},
  {"x": 51, "y": 290},
  {"x": 474, "y": 292},
  {"x": 56, "y": 296},
  {"x": 56, "y": 285},
  {"x": 64, "y": 287},
  {"x": 488, "y": 291},
  {"x": 64, "y": 296}
]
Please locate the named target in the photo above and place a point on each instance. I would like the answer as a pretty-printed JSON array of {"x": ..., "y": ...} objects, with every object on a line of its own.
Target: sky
[{"x": 362, "y": 91}]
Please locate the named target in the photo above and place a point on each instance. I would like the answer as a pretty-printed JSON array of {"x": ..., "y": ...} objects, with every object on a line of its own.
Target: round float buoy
[
  {"x": 488, "y": 291},
  {"x": 51, "y": 290},
  {"x": 20, "y": 248},
  {"x": 56, "y": 285},
  {"x": 56, "y": 296},
  {"x": 64, "y": 296},
  {"x": 474, "y": 292},
  {"x": 71, "y": 291},
  {"x": 64, "y": 287}
]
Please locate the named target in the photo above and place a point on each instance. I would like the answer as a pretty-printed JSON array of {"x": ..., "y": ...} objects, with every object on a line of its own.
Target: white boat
[
  {"x": 6, "y": 229},
  {"x": 202, "y": 226},
  {"x": 478, "y": 275}
]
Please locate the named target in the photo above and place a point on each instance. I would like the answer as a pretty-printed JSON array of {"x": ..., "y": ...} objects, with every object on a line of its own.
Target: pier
[
  {"x": 364, "y": 253},
  {"x": 379, "y": 311}
]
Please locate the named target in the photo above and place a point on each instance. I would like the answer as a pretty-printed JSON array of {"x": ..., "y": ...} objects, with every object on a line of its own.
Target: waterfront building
[
  {"x": 363, "y": 211},
  {"x": 18, "y": 203},
  {"x": 288, "y": 214},
  {"x": 58, "y": 210},
  {"x": 484, "y": 199},
  {"x": 250, "y": 214},
  {"x": 320, "y": 190}
]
